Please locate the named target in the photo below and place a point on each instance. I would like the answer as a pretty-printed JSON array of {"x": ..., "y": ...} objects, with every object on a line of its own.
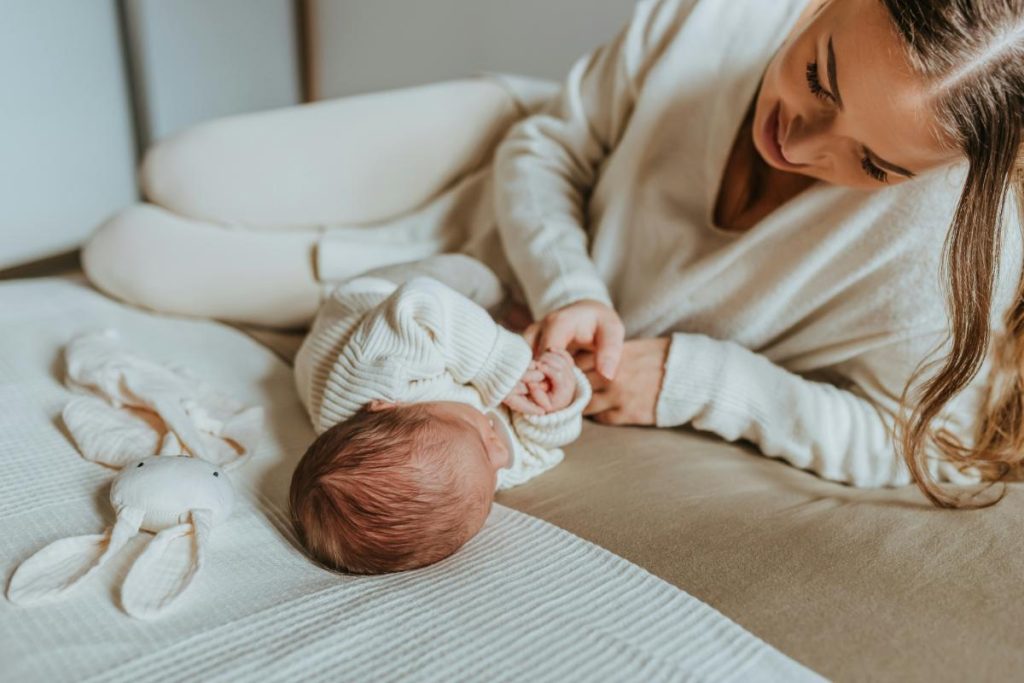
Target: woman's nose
[{"x": 808, "y": 139}]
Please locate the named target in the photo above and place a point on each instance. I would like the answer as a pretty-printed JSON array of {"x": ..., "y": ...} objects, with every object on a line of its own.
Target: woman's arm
[
  {"x": 548, "y": 162},
  {"x": 840, "y": 433}
]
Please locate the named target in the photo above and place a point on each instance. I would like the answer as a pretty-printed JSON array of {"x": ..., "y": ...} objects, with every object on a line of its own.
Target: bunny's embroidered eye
[
  {"x": 140, "y": 464},
  {"x": 216, "y": 474}
]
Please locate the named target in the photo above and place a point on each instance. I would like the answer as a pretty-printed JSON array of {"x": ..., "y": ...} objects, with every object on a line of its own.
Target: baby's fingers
[
  {"x": 521, "y": 403},
  {"x": 533, "y": 375},
  {"x": 539, "y": 395}
]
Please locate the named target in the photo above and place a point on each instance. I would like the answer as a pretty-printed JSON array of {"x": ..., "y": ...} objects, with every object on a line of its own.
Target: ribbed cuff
[{"x": 694, "y": 373}]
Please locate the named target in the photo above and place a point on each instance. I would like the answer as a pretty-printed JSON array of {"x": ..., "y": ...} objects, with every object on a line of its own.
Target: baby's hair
[{"x": 362, "y": 502}]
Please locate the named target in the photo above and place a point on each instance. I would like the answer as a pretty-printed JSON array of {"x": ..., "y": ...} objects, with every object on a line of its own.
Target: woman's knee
[
  {"x": 176, "y": 172},
  {"x": 121, "y": 256}
]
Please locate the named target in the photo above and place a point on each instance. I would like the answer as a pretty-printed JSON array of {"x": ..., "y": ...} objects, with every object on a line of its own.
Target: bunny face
[{"x": 167, "y": 488}]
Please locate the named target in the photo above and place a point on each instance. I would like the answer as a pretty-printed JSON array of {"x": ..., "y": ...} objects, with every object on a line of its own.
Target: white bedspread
[{"x": 522, "y": 601}]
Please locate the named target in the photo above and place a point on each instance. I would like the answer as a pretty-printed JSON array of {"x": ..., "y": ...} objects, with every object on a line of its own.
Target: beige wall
[{"x": 364, "y": 45}]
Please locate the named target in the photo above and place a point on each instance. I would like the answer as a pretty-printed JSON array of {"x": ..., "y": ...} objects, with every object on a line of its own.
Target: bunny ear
[
  {"x": 166, "y": 568},
  {"x": 64, "y": 563},
  {"x": 108, "y": 435}
]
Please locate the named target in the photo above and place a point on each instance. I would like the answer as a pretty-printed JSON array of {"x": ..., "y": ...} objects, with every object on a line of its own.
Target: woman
[{"x": 757, "y": 195}]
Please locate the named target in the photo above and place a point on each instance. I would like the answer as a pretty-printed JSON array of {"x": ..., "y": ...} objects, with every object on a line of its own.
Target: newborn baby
[{"x": 424, "y": 406}]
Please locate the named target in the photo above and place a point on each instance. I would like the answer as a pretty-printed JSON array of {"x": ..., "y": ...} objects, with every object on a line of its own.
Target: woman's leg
[
  {"x": 360, "y": 159},
  {"x": 241, "y": 205},
  {"x": 157, "y": 259},
  {"x": 154, "y": 258}
]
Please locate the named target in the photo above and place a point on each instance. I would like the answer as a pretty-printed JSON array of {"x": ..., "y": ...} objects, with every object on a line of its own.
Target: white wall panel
[
  {"x": 364, "y": 45},
  {"x": 67, "y": 154},
  {"x": 200, "y": 59}
]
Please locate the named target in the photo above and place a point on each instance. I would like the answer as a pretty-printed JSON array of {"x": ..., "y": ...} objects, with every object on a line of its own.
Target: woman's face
[{"x": 839, "y": 102}]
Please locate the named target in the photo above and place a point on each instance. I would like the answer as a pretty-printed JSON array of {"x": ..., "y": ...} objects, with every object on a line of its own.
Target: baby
[{"x": 424, "y": 406}]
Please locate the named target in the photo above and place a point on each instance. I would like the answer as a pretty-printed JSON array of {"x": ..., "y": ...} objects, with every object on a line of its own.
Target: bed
[{"x": 852, "y": 584}]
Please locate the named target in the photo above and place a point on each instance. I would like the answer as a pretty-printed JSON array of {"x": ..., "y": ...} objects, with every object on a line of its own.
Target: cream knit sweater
[
  {"x": 423, "y": 341},
  {"x": 798, "y": 335}
]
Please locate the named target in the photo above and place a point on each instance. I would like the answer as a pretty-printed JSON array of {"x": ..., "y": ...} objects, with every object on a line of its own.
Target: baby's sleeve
[
  {"x": 426, "y": 328},
  {"x": 340, "y": 314}
]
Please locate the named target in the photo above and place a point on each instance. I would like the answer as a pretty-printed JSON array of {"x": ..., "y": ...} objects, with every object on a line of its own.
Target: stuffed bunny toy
[
  {"x": 178, "y": 498},
  {"x": 174, "y": 438}
]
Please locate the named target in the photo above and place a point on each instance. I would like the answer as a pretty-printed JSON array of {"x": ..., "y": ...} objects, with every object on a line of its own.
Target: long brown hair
[{"x": 973, "y": 52}]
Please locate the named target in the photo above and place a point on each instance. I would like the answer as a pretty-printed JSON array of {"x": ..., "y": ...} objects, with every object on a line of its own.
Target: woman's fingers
[
  {"x": 531, "y": 333},
  {"x": 610, "y": 417},
  {"x": 608, "y": 341},
  {"x": 586, "y": 361},
  {"x": 597, "y": 381},
  {"x": 600, "y": 401},
  {"x": 557, "y": 335}
]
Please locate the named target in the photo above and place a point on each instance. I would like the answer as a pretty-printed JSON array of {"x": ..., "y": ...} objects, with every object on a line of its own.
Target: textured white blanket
[{"x": 523, "y": 601}]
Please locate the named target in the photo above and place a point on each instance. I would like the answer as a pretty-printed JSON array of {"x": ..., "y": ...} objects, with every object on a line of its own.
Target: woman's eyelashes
[
  {"x": 819, "y": 91},
  {"x": 814, "y": 83},
  {"x": 872, "y": 170}
]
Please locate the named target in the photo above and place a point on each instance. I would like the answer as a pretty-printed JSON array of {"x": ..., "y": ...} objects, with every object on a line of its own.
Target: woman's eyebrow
[{"x": 833, "y": 83}]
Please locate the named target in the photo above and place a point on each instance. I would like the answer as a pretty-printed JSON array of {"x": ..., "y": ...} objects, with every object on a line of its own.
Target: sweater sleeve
[
  {"x": 339, "y": 315},
  {"x": 842, "y": 434},
  {"x": 548, "y": 162},
  {"x": 423, "y": 333}
]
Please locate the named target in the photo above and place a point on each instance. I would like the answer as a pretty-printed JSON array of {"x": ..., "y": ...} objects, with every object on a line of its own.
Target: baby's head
[{"x": 397, "y": 486}]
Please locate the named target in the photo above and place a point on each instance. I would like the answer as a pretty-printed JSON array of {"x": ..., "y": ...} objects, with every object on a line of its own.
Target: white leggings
[{"x": 235, "y": 206}]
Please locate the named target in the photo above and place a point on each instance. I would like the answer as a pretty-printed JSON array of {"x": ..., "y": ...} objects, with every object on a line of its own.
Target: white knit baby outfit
[{"x": 423, "y": 341}]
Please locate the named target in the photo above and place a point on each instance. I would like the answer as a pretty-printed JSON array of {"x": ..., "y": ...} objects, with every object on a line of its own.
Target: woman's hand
[
  {"x": 632, "y": 397},
  {"x": 583, "y": 326}
]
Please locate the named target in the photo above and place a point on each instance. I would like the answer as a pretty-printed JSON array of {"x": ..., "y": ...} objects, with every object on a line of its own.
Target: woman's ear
[{"x": 377, "y": 405}]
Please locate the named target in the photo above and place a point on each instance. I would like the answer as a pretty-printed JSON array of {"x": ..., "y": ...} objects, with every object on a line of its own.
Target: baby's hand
[
  {"x": 584, "y": 325},
  {"x": 557, "y": 389},
  {"x": 519, "y": 400}
]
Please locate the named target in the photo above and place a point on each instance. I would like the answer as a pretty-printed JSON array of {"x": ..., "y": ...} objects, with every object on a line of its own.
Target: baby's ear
[{"x": 377, "y": 405}]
